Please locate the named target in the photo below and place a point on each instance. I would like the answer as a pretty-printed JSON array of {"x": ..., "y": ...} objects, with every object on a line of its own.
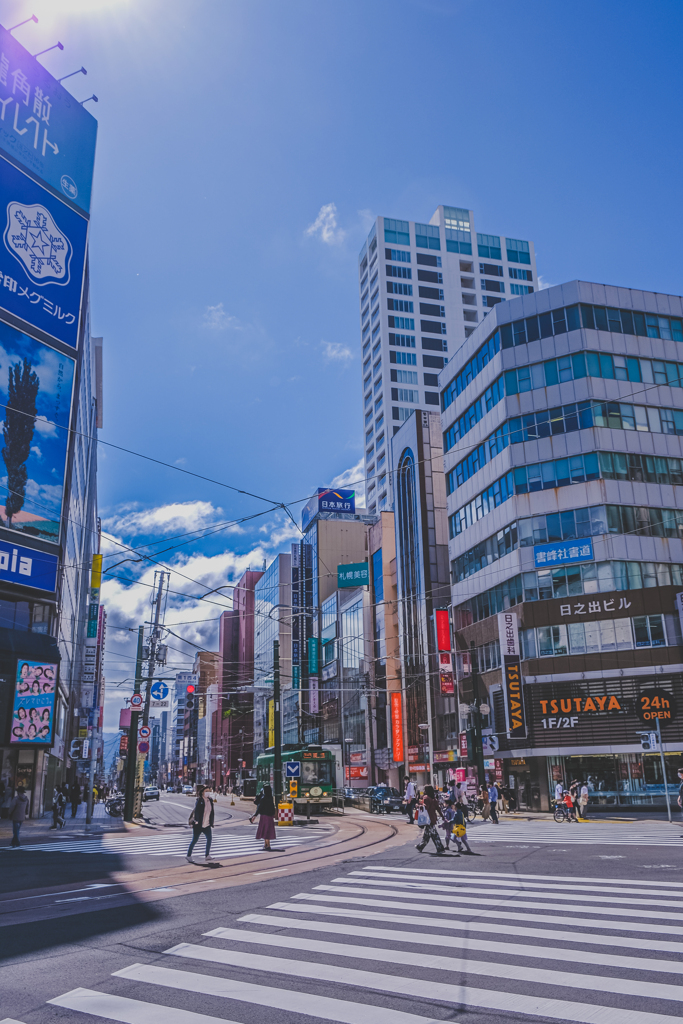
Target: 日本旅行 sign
[
  {"x": 42, "y": 126},
  {"x": 340, "y": 500},
  {"x": 563, "y": 553}
]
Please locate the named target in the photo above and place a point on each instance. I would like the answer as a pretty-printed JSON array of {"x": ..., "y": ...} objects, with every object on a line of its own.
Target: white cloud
[
  {"x": 164, "y": 519},
  {"x": 325, "y": 225},
  {"x": 45, "y": 427},
  {"x": 36, "y": 451},
  {"x": 353, "y": 478},
  {"x": 333, "y": 351},
  {"x": 542, "y": 283},
  {"x": 216, "y": 319}
]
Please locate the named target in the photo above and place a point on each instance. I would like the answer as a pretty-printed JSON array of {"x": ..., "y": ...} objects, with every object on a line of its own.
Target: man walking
[
  {"x": 75, "y": 797},
  {"x": 410, "y": 798},
  {"x": 493, "y": 798},
  {"x": 58, "y": 808},
  {"x": 18, "y": 813}
]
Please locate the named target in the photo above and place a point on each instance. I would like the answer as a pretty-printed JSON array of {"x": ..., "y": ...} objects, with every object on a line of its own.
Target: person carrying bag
[
  {"x": 201, "y": 819},
  {"x": 265, "y": 809}
]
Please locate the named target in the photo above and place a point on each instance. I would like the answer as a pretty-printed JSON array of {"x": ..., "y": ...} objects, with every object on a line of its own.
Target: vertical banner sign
[
  {"x": 397, "y": 726},
  {"x": 313, "y": 656},
  {"x": 271, "y": 723},
  {"x": 679, "y": 608},
  {"x": 443, "y": 629},
  {"x": 313, "y": 696},
  {"x": 508, "y": 634},
  {"x": 443, "y": 646}
]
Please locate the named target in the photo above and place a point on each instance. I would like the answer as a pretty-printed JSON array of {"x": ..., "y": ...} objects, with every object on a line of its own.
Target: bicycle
[{"x": 562, "y": 812}]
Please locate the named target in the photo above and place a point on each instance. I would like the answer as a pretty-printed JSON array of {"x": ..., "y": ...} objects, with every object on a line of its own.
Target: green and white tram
[{"x": 316, "y": 782}]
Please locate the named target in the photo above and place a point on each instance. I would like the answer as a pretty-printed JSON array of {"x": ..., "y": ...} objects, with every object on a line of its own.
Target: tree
[{"x": 20, "y": 419}]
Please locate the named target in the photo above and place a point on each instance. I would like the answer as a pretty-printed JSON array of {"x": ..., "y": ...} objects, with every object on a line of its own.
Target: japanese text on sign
[
  {"x": 594, "y": 607},
  {"x": 563, "y": 553}
]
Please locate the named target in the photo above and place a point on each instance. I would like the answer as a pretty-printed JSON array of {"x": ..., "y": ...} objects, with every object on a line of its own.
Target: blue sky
[{"x": 231, "y": 334}]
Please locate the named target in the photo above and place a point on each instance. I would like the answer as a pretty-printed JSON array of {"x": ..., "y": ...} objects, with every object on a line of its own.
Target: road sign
[
  {"x": 292, "y": 769},
  {"x": 136, "y": 700},
  {"x": 656, "y": 704},
  {"x": 143, "y": 747},
  {"x": 159, "y": 690},
  {"x": 158, "y": 703},
  {"x": 144, "y": 732}
]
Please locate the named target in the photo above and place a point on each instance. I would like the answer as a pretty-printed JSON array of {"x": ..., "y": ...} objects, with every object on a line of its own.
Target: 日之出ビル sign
[
  {"x": 42, "y": 126},
  {"x": 42, "y": 256}
]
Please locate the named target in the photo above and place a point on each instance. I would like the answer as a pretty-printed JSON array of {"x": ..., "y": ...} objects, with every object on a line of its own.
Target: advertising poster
[
  {"x": 396, "y": 701},
  {"x": 42, "y": 126},
  {"x": 36, "y": 384},
  {"x": 34, "y": 703},
  {"x": 42, "y": 256}
]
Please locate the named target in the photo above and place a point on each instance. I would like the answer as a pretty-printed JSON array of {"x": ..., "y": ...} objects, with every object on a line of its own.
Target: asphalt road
[{"x": 537, "y": 930}]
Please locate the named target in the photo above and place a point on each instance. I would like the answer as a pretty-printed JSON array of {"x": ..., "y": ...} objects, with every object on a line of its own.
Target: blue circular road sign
[{"x": 159, "y": 691}]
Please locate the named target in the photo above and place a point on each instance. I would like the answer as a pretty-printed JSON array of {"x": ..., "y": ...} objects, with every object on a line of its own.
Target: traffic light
[
  {"x": 648, "y": 740},
  {"x": 189, "y": 699},
  {"x": 75, "y": 750}
]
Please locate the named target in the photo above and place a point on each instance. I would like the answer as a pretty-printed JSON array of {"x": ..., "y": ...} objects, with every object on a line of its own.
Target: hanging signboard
[
  {"x": 508, "y": 635},
  {"x": 397, "y": 726}
]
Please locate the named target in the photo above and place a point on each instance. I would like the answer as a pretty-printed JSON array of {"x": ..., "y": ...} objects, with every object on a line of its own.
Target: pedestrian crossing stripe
[
  {"x": 365, "y": 956},
  {"x": 587, "y": 833},
  {"x": 171, "y": 845}
]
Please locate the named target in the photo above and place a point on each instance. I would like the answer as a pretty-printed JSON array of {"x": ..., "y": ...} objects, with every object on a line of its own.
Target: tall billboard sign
[
  {"x": 34, "y": 703},
  {"x": 442, "y": 625},
  {"x": 42, "y": 127},
  {"x": 36, "y": 391},
  {"x": 396, "y": 703},
  {"x": 508, "y": 635},
  {"x": 42, "y": 257}
]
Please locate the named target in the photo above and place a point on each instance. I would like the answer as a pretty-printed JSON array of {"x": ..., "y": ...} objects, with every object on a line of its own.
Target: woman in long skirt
[{"x": 266, "y": 813}]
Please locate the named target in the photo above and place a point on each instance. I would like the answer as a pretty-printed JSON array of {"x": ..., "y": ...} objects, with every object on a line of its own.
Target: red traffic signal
[{"x": 190, "y": 688}]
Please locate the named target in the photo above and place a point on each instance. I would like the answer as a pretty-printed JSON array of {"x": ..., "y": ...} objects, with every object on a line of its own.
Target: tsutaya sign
[{"x": 508, "y": 634}]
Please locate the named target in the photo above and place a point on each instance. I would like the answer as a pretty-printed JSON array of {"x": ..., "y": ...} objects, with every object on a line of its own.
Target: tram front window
[{"x": 316, "y": 773}]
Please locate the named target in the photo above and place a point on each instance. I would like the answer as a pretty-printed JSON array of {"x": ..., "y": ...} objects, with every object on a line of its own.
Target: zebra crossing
[
  {"x": 592, "y": 833},
  {"x": 411, "y": 945},
  {"x": 174, "y": 844}
]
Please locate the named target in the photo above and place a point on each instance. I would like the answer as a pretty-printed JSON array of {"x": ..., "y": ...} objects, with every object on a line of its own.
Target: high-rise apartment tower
[{"x": 423, "y": 290}]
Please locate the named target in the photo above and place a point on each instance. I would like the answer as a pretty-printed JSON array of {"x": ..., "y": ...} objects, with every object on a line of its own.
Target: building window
[
  {"x": 404, "y": 272},
  {"x": 404, "y": 395},
  {"x": 403, "y": 377},
  {"x": 397, "y": 288},
  {"x": 427, "y": 236},
  {"x": 403, "y": 358},
  {"x": 397, "y": 255},
  {"x": 488, "y": 247},
  {"x": 402, "y": 340},
  {"x": 518, "y": 274},
  {"x": 521, "y": 289},
  {"x": 402, "y": 323},
  {"x": 400, "y": 305},
  {"x": 399, "y": 413},
  {"x": 396, "y": 231},
  {"x": 517, "y": 251}
]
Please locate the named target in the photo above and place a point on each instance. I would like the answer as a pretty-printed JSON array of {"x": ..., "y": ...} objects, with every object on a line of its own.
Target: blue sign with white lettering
[
  {"x": 563, "y": 553},
  {"x": 328, "y": 500},
  {"x": 42, "y": 256},
  {"x": 158, "y": 690},
  {"x": 292, "y": 769},
  {"x": 28, "y": 567},
  {"x": 42, "y": 126}
]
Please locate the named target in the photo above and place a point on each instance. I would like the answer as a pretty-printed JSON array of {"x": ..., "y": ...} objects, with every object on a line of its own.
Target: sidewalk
[{"x": 41, "y": 826}]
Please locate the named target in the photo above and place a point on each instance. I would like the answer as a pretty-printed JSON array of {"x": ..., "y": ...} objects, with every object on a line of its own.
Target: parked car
[
  {"x": 385, "y": 799},
  {"x": 151, "y": 793},
  {"x": 188, "y": 790}
]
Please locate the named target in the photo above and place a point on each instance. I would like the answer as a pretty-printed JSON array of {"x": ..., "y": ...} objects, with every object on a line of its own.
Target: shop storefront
[{"x": 589, "y": 730}]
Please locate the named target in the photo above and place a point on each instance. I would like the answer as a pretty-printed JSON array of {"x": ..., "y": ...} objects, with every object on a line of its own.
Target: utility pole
[
  {"x": 666, "y": 784},
  {"x": 153, "y": 643},
  {"x": 277, "y": 753},
  {"x": 478, "y": 745},
  {"x": 132, "y": 753}
]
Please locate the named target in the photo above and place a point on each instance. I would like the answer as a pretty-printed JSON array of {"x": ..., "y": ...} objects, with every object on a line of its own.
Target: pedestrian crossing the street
[
  {"x": 591, "y": 833},
  {"x": 392, "y": 945},
  {"x": 233, "y": 843}
]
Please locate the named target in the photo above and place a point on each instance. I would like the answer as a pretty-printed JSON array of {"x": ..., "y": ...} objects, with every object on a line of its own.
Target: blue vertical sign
[
  {"x": 42, "y": 256},
  {"x": 42, "y": 126}
]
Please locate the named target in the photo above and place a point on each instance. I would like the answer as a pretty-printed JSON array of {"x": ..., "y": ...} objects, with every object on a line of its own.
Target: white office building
[{"x": 423, "y": 290}]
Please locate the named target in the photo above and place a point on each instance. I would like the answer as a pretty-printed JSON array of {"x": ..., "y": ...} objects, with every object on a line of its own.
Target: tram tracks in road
[{"x": 352, "y": 837}]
